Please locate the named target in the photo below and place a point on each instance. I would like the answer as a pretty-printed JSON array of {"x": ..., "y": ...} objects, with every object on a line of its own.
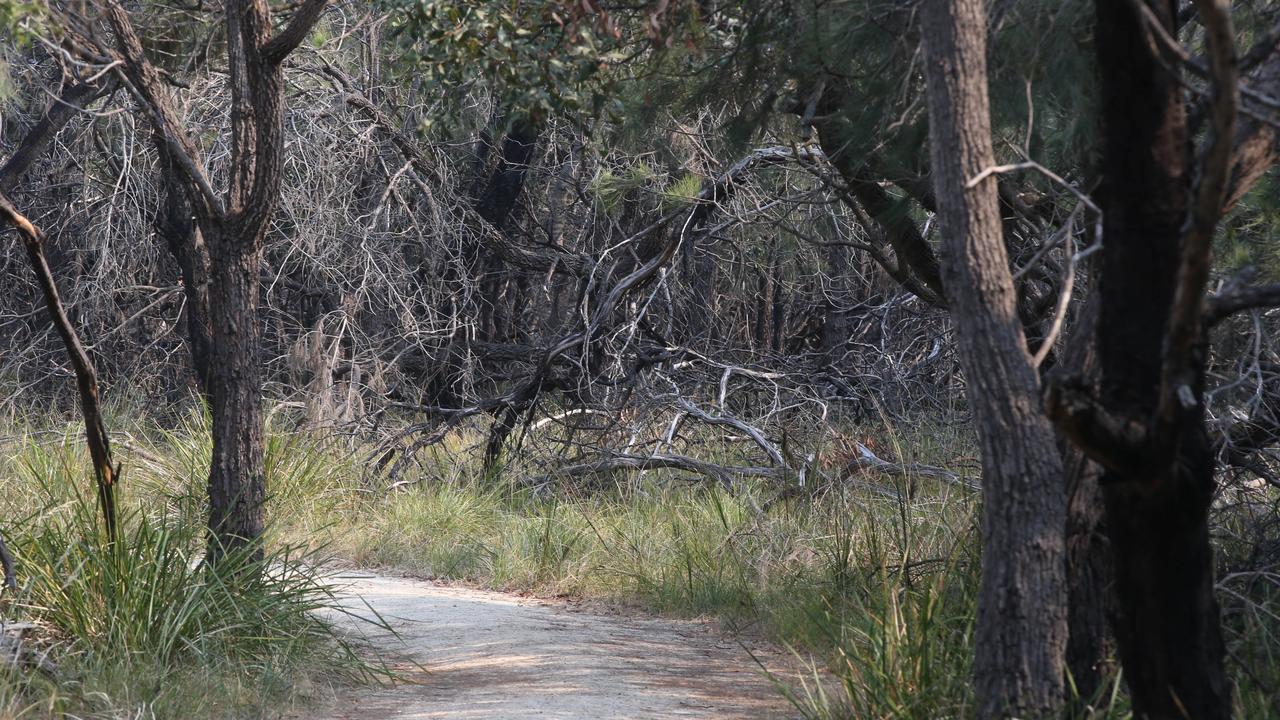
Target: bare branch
[
  {"x": 86, "y": 377},
  {"x": 292, "y": 35},
  {"x": 1215, "y": 168}
]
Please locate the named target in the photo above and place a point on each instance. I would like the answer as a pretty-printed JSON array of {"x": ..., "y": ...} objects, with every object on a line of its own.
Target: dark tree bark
[
  {"x": 234, "y": 227},
  {"x": 176, "y": 225},
  {"x": 1157, "y": 489},
  {"x": 1090, "y": 592},
  {"x": 1022, "y": 615}
]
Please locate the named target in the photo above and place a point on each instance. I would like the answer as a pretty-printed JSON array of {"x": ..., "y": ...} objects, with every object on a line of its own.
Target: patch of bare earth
[{"x": 467, "y": 653}]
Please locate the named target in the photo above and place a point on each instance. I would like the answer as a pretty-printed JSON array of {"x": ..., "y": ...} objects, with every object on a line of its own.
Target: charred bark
[{"x": 1167, "y": 624}]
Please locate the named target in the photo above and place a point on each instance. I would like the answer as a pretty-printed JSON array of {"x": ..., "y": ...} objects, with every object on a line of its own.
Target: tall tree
[
  {"x": 1147, "y": 426},
  {"x": 232, "y": 226},
  {"x": 1022, "y": 619}
]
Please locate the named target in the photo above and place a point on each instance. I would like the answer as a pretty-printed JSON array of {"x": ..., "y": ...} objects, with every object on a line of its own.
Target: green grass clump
[{"x": 144, "y": 628}]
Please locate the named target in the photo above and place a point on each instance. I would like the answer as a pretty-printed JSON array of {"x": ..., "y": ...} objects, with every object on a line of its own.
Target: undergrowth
[
  {"x": 143, "y": 628},
  {"x": 873, "y": 582}
]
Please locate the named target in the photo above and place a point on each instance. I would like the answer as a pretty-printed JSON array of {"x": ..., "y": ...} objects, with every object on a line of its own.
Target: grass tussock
[{"x": 144, "y": 628}]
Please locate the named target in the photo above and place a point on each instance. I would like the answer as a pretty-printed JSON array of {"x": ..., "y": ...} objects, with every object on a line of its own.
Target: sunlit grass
[{"x": 144, "y": 628}]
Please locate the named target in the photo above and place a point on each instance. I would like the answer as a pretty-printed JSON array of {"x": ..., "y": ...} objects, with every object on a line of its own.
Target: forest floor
[{"x": 465, "y": 653}]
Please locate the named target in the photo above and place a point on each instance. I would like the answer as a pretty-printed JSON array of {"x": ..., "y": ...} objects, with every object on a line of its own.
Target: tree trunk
[
  {"x": 174, "y": 223},
  {"x": 1167, "y": 625},
  {"x": 236, "y": 476},
  {"x": 1022, "y": 618},
  {"x": 1090, "y": 590},
  {"x": 234, "y": 227}
]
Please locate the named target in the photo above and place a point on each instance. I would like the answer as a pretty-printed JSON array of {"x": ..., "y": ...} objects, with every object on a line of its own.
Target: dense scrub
[{"x": 659, "y": 303}]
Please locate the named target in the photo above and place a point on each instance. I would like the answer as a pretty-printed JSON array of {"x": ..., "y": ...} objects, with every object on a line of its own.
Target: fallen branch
[
  {"x": 724, "y": 474},
  {"x": 753, "y": 432},
  {"x": 868, "y": 460}
]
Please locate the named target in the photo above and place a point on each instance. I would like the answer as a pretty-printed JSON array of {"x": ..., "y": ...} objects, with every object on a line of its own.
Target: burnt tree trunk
[
  {"x": 1167, "y": 625},
  {"x": 1021, "y": 629},
  {"x": 236, "y": 482}
]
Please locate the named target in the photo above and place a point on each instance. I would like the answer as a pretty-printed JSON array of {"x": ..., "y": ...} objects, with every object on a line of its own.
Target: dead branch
[
  {"x": 867, "y": 460},
  {"x": 754, "y": 433},
  {"x": 724, "y": 474},
  {"x": 1238, "y": 295},
  {"x": 86, "y": 376}
]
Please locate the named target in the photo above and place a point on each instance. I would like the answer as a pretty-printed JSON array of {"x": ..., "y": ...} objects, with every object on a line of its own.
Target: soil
[{"x": 465, "y": 653}]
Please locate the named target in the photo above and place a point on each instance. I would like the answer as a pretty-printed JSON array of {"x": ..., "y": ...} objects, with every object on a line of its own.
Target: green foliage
[
  {"x": 532, "y": 55},
  {"x": 18, "y": 18},
  {"x": 612, "y": 187},
  {"x": 1251, "y": 234},
  {"x": 683, "y": 190}
]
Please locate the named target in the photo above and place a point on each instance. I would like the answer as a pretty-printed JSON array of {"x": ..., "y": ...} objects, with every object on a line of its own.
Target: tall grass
[
  {"x": 880, "y": 591},
  {"x": 876, "y": 589},
  {"x": 144, "y": 628}
]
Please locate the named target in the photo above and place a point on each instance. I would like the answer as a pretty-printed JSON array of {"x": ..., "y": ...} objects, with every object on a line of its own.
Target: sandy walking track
[{"x": 490, "y": 655}]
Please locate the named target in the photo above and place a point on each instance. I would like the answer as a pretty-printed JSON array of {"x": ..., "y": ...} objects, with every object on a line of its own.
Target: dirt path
[{"x": 490, "y": 655}]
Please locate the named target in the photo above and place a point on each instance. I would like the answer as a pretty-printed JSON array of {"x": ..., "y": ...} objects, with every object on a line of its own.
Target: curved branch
[{"x": 292, "y": 35}]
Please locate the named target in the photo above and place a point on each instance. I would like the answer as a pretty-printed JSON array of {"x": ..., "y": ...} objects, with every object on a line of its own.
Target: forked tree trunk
[
  {"x": 1022, "y": 619},
  {"x": 233, "y": 226},
  {"x": 1167, "y": 626}
]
